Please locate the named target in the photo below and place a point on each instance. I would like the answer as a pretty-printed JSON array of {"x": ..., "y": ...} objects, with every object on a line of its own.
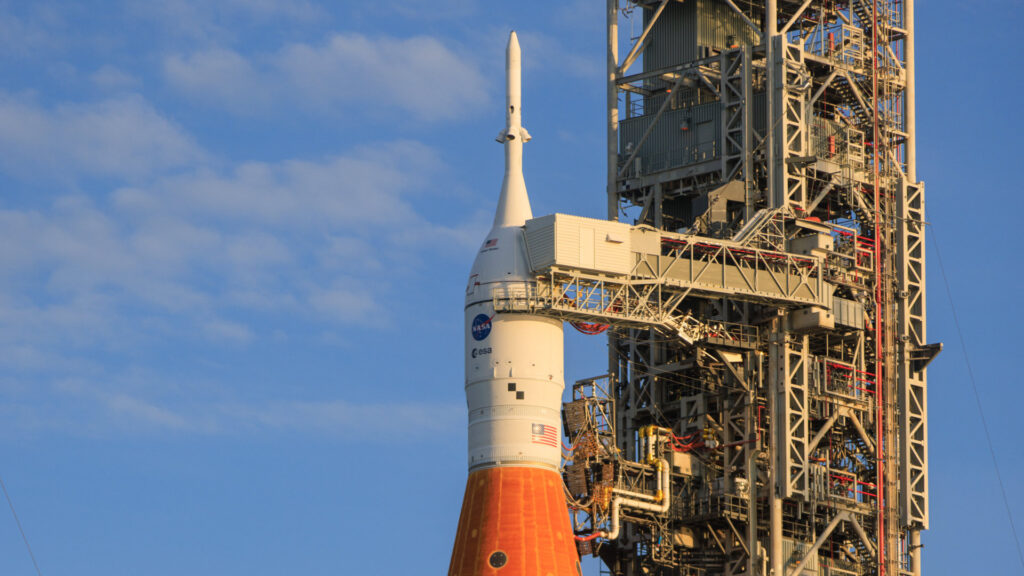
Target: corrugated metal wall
[
  {"x": 684, "y": 32},
  {"x": 673, "y": 38},
  {"x": 717, "y": 23},
  {"x": 561, "y": 239},
  {"x": 669, "y": 145}
]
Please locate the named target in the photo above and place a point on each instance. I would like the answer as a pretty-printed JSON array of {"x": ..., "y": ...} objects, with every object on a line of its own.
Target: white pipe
[
  {"x": 635, "y": 495},
  {"x": 659, "y": 506}
]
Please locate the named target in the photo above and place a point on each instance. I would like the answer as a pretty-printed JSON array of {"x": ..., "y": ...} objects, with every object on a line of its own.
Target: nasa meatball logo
[{"x": 481, "y": 327}]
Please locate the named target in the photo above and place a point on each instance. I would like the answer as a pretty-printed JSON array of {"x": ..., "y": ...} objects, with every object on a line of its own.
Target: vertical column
[
  {"x": 750, "y": 195},
  {"x": 613, "y": 162},
  {"x": 613, "y": 109},
  {"x": 791, "y": 412},
  {"x": 752, "y": 371},
  {"x": 911, "y": 94},
  {"x": 737, "y": 118},
  {"x": 771, "y": 30},
  {"x": 776, "y": 367},
  {"x": 912, "y": 379},
  {"x": 788, "y": 120}
]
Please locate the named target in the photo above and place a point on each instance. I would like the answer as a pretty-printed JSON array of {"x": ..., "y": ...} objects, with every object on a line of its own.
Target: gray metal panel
[
  {"x": 793, "y": 551},
  {"x": 673, "y": 38},
  {"x": 669, "y": 145},
  {"x": 760, "y": 112},
  {"x": 848, "y": 313},
  {"x": 540, "y": 241}
]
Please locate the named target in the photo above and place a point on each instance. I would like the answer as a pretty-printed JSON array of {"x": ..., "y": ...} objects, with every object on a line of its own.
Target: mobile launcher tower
[{"x": 761, "y": 277}]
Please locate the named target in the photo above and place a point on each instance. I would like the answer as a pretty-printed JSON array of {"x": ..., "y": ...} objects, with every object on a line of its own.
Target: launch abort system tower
[{"x": 763, "y": 278}]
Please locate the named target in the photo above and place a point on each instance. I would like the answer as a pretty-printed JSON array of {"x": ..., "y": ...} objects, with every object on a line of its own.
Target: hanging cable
[
  {"x": 20, "y": 529},
  {"x": 977, "y": 398}
]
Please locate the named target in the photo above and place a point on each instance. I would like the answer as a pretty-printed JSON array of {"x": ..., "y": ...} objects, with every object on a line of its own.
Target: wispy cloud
[
  {"x": 428, "y": 9},
  {"x": 205, "y": 21},
  {"x": 218, "y": 76},
  {"x": 28, "y": 29},
  {"x": 420, "y": 75},
  {"x": 122, "y": 137},
  {"x": 356, "y": 421},
  {"x": 111, "y": 78},
  {"x": 83, "y": 408},
  {"x": 195, "y": 252}
]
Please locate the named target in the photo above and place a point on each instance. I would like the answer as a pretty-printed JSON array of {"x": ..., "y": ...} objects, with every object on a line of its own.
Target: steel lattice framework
[{"x": 770, "y": 344}]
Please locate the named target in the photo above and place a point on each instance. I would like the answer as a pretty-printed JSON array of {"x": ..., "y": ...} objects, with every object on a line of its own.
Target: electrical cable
[
  {"x": 977, "y": 398},
  {"x": 20, "y": 529}
]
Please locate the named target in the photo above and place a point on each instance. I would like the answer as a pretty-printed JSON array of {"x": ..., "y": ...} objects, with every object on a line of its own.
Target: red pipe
[{"x": 879, "y": 304}]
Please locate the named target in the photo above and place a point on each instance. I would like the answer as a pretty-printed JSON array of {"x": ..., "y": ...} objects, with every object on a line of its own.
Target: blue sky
[{"x": 233, "y": 244}]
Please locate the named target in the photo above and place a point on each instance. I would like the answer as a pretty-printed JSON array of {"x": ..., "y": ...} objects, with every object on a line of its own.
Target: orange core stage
[{"x": 514, "y": 522}]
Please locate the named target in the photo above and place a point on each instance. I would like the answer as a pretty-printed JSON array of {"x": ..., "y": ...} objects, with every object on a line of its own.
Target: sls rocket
[{"x": 514, "y": 519}]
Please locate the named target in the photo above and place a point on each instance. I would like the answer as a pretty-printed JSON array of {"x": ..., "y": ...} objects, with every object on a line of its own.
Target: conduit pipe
[
  {"x": 657, "y": 503},
  {"x": 632, "y": 500}
]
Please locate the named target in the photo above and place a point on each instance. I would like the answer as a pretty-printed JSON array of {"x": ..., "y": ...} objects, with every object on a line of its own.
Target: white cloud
[
  {"x": 122, "y": 137},
  {"x": 194, "y": 252},
  {"x": 266, "y": 9},
  {"x": 206, "y": 21},
  {"x": 81, "y": 406},
  {"x": 27, "y": 35},
  {"x": 140, "y": 411},
  {"x": 427, "y": 9},
  {"x": 420, "y": 76},
  {"x": 553, "y": 54},
  {"x": 230, "y": 332},
  {"x": 218, "y": 76},
  {"x": 347, "y": 302},
  {"x": 111, "y": 78},
  {"x": 354, "y": 421},
  {"x": 353, "y": 191}
]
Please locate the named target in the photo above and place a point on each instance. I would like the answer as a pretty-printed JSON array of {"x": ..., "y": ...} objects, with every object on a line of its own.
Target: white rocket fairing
[
  {"x": 514, "y": 377},
  {"x": 514, "y": 515}
]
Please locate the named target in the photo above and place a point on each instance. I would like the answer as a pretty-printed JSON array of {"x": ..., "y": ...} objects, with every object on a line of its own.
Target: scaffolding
[{"x": 775, "y": 138}]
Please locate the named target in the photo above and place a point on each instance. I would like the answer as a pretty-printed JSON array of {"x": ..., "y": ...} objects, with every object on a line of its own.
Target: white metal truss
[
  {"x": 789, "y": 119},
  {"x": 913, "y": 379},
  {"x": 788, "y": 363}
]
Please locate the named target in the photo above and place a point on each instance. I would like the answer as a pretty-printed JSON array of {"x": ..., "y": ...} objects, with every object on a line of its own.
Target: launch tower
[
  {"x": 762, "y": 279},
  {"x": 766, "y": 131}
]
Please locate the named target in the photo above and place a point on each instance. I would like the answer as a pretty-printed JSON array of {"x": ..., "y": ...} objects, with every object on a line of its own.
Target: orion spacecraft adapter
[{"x": 514, "y": 519}]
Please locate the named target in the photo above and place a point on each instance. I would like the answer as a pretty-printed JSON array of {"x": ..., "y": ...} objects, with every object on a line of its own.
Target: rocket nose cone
[{"x": 513, "y": 52}]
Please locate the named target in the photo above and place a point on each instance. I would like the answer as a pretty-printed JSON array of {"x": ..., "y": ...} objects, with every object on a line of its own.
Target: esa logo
[
  {"x": 481, "y": 352},
  {"x": 481, "y": 327}
]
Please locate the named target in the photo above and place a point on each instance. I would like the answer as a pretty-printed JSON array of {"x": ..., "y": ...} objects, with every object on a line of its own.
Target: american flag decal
[
  {"x": 491, "y": 243},
  {"x": 546, "y": 435}
]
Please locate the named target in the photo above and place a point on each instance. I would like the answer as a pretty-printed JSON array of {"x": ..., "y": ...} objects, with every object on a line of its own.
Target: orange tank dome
[{"x": 514, "y": 522}]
